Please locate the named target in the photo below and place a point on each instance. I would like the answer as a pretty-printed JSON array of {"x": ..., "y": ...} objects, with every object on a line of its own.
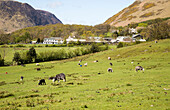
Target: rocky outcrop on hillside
[
  {"x": 141, "y": 10},
  {"x": 15, "y": 15}
]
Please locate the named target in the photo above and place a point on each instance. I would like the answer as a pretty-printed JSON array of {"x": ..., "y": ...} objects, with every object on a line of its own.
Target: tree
[
  {"x": 65, "y": 42},
  {"x": 17, "y": 57},
  {"x": 31, "y": 54},
  {"x": 132, "y": 25},
  {"x": 94, "y": 48},
  {"x": 38, "y": 40},
  {"x": 158, "y": 30},
  {"x": 1, "y": 61},
  {"x": 53, "y": 33},
  {"x": 26, "y": 37}
]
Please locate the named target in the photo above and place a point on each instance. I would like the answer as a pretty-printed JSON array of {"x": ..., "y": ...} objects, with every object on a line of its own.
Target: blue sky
[{"x": 85, "y": 12}]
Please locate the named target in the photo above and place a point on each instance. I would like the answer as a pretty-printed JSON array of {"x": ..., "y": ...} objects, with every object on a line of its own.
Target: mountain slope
[
  {"x": 15, "y": 15},
  {"x": 141, "y": 10}
]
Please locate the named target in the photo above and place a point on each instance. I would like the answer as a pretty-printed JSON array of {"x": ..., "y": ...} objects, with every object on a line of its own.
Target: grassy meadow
[
  {"x": 92, "y": 87},
  {"x": 8, "y": 53}
]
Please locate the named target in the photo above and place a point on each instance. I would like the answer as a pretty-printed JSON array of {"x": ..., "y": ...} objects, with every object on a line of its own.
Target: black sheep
[{"x": 42, "y": 82}]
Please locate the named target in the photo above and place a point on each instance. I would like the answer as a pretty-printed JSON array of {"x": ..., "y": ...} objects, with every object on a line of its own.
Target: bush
[
  {"x": 94, "y": 48},
  {"x": 19, "y": 45},
  {"x": 1, "y": 61},
  {"x": 120, "y": 45},
  {"x": 70, "y": 45},
  {"x": 17, "y": 57}
]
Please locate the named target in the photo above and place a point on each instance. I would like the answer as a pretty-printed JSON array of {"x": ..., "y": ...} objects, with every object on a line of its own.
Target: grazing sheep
[
  {"x": 85, "y": 64},
  {"x": 109, "y": 70},
  {"x": 42, "y": 82},
  {"x": 38, "y": 69},
  {"x": 59, "y": 77},
  {"x": 22, "y": 78},
  {"x": 109, "y": 58},
  {"x": 37, "y": 64},
  {"x": 139, "y": 68},
  {"x": 50, "y": 78},
  {"x": 80, "y": 61},
  {"x": 95, "y": 61},
  {"x": 111, "y": 64}
]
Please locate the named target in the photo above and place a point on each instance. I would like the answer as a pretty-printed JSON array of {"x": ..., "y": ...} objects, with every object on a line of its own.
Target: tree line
[
  {"x": 151, "y": 29},
  {"x": 31, "y": 56}
]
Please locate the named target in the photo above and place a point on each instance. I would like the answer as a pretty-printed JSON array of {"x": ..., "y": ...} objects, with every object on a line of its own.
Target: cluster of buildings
[{"x": 59, "y": 40}]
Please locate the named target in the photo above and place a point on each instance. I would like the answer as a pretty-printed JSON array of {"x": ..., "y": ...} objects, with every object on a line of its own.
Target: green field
[
  {"x": 9, "y": 52},
  {"x": 92, "y": 87}
]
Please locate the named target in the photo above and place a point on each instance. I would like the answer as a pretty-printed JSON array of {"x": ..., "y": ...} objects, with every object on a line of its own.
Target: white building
[
  {"x": 132, "y": 30},
  {"x": 123, "y": 39},
  {"x": 138, "y": 37},
  {"x": 71, "y": 39},
  {"x": 53, "y": 40}
]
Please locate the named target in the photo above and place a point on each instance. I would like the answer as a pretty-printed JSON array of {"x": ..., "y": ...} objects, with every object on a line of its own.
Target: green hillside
[{"x": 92, "y": 87}]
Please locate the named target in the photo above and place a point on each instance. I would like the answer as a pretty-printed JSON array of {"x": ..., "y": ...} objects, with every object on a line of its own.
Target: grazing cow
[
  {"x": 139, "y": 68},
  {"x": 109, "y": 70},
  {"x": 42, "y": 82},
  {"x": 85, "y": 64},
  {"x": 38, "y": 69},
  {"x": 59, "y": 77},
  {"x": 111, "y": 64},
  {"x": 109, "y": 58},
  {"x": 22, "y": 78}
]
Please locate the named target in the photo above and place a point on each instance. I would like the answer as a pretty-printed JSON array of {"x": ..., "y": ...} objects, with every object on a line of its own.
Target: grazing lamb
[
  {"x": 109, "y": 58},
  {"x": 95, "y": 61},
  {"x": 139, "y": 68},
  {"x": 42, "y": 82},
  {"x": 109, "y": 70},
  {"x": 22, "y": 78},
  {"x": 85, "y": 64},
  {"x": 111, "y": 64},
  {"x": 59, "y": 77}
]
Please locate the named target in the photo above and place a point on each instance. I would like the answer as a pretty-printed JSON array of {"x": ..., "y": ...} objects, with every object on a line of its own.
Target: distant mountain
[
  {"x": 141, "y": 10},
  {"x": 15, "y": 15}
]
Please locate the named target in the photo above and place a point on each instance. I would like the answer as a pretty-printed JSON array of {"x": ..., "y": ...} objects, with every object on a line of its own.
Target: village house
[
  {"x": 124, "y": 39},
  {"x": 138, "y": 37},
  {"x": 73, "y": 39},
  {"x": 132, "y": 30},
  {"x": 53, "y": 40}
]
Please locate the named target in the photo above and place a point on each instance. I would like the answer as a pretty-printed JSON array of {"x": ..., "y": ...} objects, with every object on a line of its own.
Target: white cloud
[{"x": 54, "y": 4}]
